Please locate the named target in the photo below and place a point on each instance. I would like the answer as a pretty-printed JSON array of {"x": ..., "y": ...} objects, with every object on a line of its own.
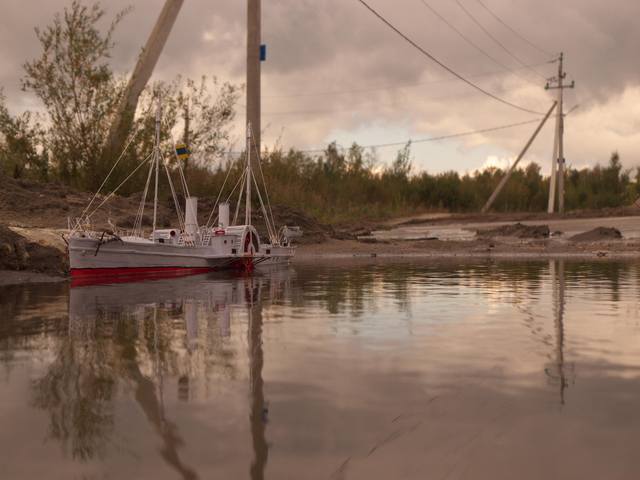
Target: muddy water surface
[{"x": 354, "y": 371}]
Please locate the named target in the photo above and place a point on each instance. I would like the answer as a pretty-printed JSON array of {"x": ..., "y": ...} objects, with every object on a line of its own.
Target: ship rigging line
[
  {"x": 95, "y": 195},
  {"x": 492, "y": 37},
  {"x": 446, "y": 67},
  {"x": 522, "y": 37},
  {"x": 266, "y": 193},
  {"x": 208, "y": 224},
  {"x": 113, "y": 192}
]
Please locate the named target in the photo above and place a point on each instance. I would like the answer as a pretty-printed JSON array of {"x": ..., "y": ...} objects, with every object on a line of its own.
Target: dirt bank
[
  {"x": 517, "y": 230},
  {"x": 36, "y": 254},
  {"x": 598, "y": 234}
]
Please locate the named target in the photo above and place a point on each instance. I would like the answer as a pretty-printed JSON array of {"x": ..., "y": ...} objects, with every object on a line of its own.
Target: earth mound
[
  {"x": 597, "y": 234},
  {"x": 18, "y": 253},
  {"x": 517, "y": 230}
]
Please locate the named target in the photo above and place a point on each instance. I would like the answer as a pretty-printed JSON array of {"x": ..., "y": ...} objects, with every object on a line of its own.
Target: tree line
[
  {"x": 80, "y": 93},
  {"x": 338, "y": 185}
]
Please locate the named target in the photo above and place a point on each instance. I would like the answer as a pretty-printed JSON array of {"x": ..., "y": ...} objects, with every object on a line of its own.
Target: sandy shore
[{"x": 485, "y": 248}]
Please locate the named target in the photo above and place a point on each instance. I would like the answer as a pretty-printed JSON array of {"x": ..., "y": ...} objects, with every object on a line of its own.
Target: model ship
[{"x": 188, "y": 248}]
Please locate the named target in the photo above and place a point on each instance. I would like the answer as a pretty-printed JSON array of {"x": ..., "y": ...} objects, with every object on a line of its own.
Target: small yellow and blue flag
[{"x": 182, "y": 151}]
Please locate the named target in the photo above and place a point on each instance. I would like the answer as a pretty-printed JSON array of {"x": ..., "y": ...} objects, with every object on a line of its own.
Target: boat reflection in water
[{"x": 140, "y": 318}]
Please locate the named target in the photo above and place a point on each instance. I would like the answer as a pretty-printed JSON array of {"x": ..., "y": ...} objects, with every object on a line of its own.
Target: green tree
[
  {"x": 21, "y": 152},
  {"x": 76, "y": 85},
  {"x": 206, "y": 118}
]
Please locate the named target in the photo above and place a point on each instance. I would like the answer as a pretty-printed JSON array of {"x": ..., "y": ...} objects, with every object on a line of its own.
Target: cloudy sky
[{"x": 336, "y": 72}]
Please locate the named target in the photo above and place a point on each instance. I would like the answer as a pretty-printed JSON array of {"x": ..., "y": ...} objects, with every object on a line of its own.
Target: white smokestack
[{"x": 191, "y": 216}]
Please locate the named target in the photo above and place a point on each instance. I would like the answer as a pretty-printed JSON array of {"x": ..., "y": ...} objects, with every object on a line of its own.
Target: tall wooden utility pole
[
  {"x": 254, "y": 37},
  {"x": 141, "y": 73},
  {"x": 557, "y": 167}
]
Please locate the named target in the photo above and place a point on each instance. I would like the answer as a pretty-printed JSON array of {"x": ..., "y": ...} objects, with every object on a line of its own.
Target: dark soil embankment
[
  {"x": 598, "y": 234},
  {"x": 18, "y": 253},
  {"x": 517, "y": 230},
  {"x": 49, "y": 205}
]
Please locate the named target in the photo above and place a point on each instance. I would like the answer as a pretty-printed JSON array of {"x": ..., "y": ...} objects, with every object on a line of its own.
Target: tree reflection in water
[
  {"x": 123, "y": 336},
  {"x": 77, "y": 391}
]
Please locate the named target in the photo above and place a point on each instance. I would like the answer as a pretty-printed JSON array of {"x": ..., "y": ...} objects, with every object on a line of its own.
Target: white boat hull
[{"x": 89, "y": 256}]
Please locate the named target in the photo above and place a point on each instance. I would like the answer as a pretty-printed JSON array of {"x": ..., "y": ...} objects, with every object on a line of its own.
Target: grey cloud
[{"x": 333, "y": 45}]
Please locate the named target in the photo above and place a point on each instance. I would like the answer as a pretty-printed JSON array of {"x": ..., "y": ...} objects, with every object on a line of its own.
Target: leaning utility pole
[
  {"x": 140, "y": 76},
  {"x": 558, "y": 164},
  {"x": 504, "y": 180},
  {"x": 254, "y": 35}
]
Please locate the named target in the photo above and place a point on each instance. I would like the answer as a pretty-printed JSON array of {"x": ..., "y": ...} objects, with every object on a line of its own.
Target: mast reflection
[{"x": 259, "y": 412}]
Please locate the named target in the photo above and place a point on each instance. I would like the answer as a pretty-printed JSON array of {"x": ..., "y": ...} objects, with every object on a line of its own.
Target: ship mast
[
  {"x": 247, "y": 207},
  {"x": 157, "y": 161}
]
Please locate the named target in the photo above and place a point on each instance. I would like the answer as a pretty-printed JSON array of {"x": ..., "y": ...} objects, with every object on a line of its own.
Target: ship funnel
[
  {"x": 191, "y": 216},
  {"x": 223, "y": 215}
]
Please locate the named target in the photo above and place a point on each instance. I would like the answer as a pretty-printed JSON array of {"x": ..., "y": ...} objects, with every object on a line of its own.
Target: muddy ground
[{"x": 33, "y": 217}]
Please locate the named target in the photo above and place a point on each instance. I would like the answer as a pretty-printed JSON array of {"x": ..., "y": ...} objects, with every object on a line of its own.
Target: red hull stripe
[
  {"x": 83, "y": 277},
  {"x": 112, "y": 272}
]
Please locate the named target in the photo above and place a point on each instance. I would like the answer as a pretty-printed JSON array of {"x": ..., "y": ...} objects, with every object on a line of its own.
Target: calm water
[{"x": 360, "y": 371}]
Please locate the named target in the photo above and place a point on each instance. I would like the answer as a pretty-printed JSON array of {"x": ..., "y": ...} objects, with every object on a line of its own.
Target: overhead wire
[
  {"x": 399, "y": 87},
  {"x": 473, "y": 44},
  {"x": 493, "y": 37},
  {"x": 522, "y": 37},
  {"x": 354, "y": 106},
  {"x": 442, "y": 64},
  {"x": 441, "y": 137},
  {"x": 424, "y": 140}
]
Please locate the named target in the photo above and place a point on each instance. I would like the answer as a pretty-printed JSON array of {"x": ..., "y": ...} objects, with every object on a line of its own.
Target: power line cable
[
  {"x": 435, "y": 139},
  {"x": 398, "y": 87},
  {"x": 354, "y": 107},
  {"x": 522, "y": 37},
  {"x": 472, "y": 43},
  {"x": 447, "y": 137},
  {"x": 424, "y": 140},
  {"x": 492, "y": 37},
  {"x": 446, "y": 67}
]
